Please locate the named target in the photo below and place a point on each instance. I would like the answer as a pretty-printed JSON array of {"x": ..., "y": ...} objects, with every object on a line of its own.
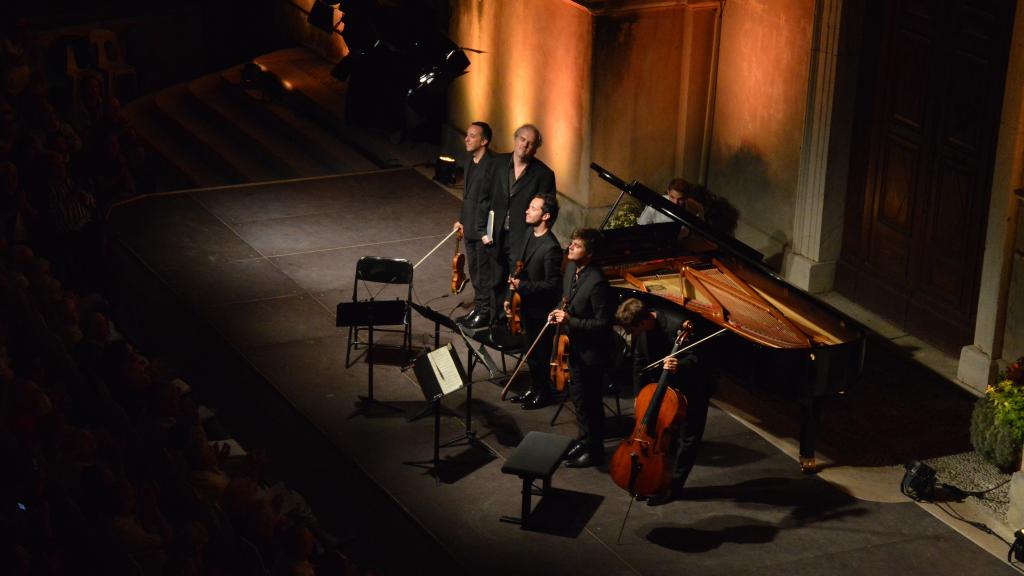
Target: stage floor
[{"x": 262, "y": 267}]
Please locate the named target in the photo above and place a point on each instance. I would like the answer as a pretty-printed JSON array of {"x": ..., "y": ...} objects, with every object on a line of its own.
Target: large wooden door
[{"x": 930, "y": 90}]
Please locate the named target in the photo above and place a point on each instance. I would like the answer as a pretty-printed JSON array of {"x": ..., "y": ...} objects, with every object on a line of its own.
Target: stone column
[
  {"x": 979, "y": 362},
  {"x": 810, "y": 262}
]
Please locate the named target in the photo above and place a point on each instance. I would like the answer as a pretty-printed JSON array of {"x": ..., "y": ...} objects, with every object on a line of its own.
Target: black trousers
[
  {"x": 539, "y": 361},
  {"x": 697, "y": 386},
  {"x": 587, "y": 390},
  {"x": 691, "y": 436},
  {"x": 481, "y": 275},
  {"x": 500, "y": 253},
  {"x": 485, "y": 275}
]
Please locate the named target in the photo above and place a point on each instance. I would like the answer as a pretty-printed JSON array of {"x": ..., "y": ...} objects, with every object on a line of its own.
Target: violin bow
[
  {"x": 434, "y": 249},
  {"x": 522, "y": 360},
  {"x": 681, "y": 350}
]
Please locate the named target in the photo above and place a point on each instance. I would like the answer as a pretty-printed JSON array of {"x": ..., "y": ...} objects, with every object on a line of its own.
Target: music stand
[
  {"x": 475, "y": 355},
  {"x": 439, "y": 373},
  {"x": 366, "y": 313},
  {"x": 469, "y": 435},
  {"x": 437, "y": 318}
]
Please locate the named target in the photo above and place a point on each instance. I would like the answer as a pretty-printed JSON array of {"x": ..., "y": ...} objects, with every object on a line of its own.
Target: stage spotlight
[
  {"x": 918, "y": 481},
  {"x": 437, "y": 70},
  {"x": 444, "y": 170},
  {"x": 321, "y": 15}
]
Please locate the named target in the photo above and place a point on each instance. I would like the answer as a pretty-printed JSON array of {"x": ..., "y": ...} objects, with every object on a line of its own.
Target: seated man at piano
[
  {"x": 680, "y": 193},
  {"x": 653, "y": 333}
]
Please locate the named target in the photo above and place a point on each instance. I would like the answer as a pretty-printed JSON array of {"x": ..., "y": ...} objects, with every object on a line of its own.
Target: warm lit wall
[
  {"x": 650, "y": 94},
  {"x": 536, "y": 70},
  {"x": 759, "y": 115}
]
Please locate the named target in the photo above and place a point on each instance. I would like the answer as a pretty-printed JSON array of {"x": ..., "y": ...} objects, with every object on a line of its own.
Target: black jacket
[
  {"x": 591, "y": 311},
  {"x": 537, "y": 178},
  {"x": 540, "y": 283},
  {"x": 476, "y": 196}
]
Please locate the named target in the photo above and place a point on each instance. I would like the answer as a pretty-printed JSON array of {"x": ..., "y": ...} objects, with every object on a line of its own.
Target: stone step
[
  {"x": 302, "y": 133},
  {"x": 176, "y": 115},
  {"x": 248, "y": 137},
  {"x": 321, "y": 98},
  {"x": 174, "y": 159}
]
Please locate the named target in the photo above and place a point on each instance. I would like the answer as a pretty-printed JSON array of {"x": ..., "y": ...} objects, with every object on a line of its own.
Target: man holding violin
[
  {"x": 476, "y": 203},
  {"x": 538, "y": 285},
  {"x": 653, "y": 334},
  {"x": 587, "y": 318}
]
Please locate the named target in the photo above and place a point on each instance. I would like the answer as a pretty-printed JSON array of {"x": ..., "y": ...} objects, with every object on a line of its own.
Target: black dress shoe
[
  {"x": 584, "y": 460},
  {"x": 574, "y": 452},
  {"x": 465, "y": 316},
  {"x": 536, "y": 402},
  {"x": 477, "y": 321},
  {"x": 673, "y": 493},
  {"x": 524, "y": 397},
  {"x": 661, "y": 499}
]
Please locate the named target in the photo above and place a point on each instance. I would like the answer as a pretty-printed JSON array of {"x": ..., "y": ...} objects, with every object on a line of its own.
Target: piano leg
[{"x": 810, "y": 419}]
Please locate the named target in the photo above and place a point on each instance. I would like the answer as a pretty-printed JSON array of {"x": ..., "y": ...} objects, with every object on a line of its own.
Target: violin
[
  {"x": 560, "y": 355},
  {"x": 515, "y": 305},
  {"x": 644, "y": 462},
  {"x": 458, "y": 266}
]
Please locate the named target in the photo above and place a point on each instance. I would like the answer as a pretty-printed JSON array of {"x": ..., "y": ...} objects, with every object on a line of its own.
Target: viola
[
  {"x": 458, "y": 266},
  {"x": 560, "y": 355},
  {"x": 515, "y": 305},
  {"x": 644, "y": 462}
]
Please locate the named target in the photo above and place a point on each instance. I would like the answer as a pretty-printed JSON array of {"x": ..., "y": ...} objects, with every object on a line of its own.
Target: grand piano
[{"x": 779, "y": 337}]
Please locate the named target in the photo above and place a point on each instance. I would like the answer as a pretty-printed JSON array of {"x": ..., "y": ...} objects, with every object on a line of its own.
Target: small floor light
[
  {"x": 1017, "y": 548},
  {"x": 251, "y": 73},
  {"x": 918, "y": 481},
  {"x": 444, "y": 170}
]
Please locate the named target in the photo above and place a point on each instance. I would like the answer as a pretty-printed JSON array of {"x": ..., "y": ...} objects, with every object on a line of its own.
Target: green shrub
[
  {"x": 997, "y": 422},
  {"x": 996, "y": 443},
  {"x": 626, "y": 214}
]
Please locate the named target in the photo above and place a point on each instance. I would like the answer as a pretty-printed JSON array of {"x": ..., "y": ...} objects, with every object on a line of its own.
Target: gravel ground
[{"x": 969, "y": 472}]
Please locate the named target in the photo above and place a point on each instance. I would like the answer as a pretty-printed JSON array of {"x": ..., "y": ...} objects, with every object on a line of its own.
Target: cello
[
  {"x": 458, "y": 266},
  {"x": 644, "y": 462},
  {"x": 560, "y": 355}
]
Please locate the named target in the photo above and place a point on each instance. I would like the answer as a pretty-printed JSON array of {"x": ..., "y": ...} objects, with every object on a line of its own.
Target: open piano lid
[{"x": 724, "y": 280}]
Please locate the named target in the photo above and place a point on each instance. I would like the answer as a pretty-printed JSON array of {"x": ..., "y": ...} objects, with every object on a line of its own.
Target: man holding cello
[
  {"x": 538, "y": 285},
  {"x": 587, "y": 318},
  {"x": 653, "y": 334}
]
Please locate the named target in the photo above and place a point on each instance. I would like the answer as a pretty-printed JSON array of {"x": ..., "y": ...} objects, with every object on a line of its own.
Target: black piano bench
[{"x": 537, "y": 456}]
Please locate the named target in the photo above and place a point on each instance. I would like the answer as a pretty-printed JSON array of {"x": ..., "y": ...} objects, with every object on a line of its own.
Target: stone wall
[{"x": 759, "y": 116}]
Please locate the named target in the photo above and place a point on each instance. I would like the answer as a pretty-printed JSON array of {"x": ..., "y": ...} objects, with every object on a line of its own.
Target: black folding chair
[{"x": 374, "y": 272}]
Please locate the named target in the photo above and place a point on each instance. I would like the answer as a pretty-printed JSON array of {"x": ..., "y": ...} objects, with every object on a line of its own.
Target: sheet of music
[
  {"x": 447, "y": 373},
  {"x": 490, "y": 224}
]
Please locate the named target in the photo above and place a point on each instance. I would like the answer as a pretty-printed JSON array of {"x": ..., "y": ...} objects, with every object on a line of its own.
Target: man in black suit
[
  {"x": 476, "y": 202},
  {"x": 653, "y": 336},
  {"x": 588, "y": 321},
  {"x": 519, "y": 177},
  {"x": 539, "y": 287}
]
